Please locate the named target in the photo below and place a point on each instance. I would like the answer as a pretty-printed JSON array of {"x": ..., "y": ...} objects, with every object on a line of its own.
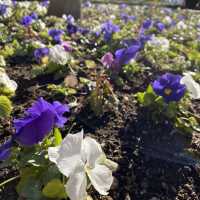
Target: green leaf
[
  {"x": 29, "y": 186},
  {"x": 90, "y": 64},
  {"x": 5, "y": 106},
  {"x": 57, "y": 137},
  {"x": 148, "y": 97},
  {"x": 54, "y": 189}
]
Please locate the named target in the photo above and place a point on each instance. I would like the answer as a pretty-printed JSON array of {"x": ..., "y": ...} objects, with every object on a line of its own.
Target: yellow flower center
[
  {"x": 168, "y": 91},
  {"x": 45, "y": 60}
]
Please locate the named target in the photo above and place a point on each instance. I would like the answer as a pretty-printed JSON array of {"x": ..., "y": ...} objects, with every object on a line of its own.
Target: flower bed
[{"x": 102, "y": 108}]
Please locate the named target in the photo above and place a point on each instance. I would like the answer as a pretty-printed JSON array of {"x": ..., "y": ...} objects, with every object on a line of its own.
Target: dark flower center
[{"x": 168, "y": 91}]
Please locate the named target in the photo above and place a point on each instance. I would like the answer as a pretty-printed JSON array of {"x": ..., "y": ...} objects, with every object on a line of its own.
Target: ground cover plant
[{"x": 106, "y": 107}]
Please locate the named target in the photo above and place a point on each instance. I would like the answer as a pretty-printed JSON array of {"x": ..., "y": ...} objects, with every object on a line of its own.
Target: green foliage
[
  {"x": 148, "y": 97},
  {"x": 54, "y": 189},
  {"x": 131, "y": 69},
  {"x": 102, "y": 98},
  {"x": 57, "y": 137},
  {"x": 5, "y": 106},
  {"x": 60, "y": 89},
  {"x": 177, "y": 112},
  {"x": 30, "y": 186}
]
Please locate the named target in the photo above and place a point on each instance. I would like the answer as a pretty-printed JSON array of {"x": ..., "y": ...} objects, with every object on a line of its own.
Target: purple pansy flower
[
  {"x": 87, "y": 4},
  {"x": 41, "y": 53},
  {"x": 71, "y": 29},
  {"x": 107, "y": 60},
  {"x": 70, "y": 19},
  {"x": 56, "y": 35},
  {"x": 169, "y": 87},
  {"x": 124, "y": 55},
  {"x": 3, "y": 9},
  {"x": 39, "y": 121},
  {"x": 45, "y": 3},
  {"x": 108, "y": 28},
  {"x": 159, "y": 26},
  {"x": 147, "y": 24},
  {"x": 123, "y": 6},
  {"x": 26, "y": 21}
]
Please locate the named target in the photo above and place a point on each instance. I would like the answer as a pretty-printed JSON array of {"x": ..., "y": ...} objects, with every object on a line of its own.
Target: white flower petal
[
  {"x": 53, "y": 153},
  {"x": 91, "y": 151},
  {"x": 192, "y": 86},
  {"x": 5, "y": 81},
  {"x": 77, "y": 184},
  {"x": 70, "y": 153},
  {"x": 101, "y": 178},
  {"x": 58, "y": 55}
]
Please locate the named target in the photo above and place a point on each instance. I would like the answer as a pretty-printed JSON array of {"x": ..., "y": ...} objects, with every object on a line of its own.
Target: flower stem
[{"x": 9, "y": 180}]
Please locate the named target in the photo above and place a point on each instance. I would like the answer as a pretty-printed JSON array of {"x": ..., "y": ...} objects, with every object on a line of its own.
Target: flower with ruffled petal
[
  {"x": 58, "y": 55},
  {"x": 39, "y": 121},
  {"x": 82, "y": 159},
  {"x": 192, "y": 86},
  {"x": 107, "y": 60},
  {"x": 123, "y": 56},
  {"x": 169, "y": 86}
]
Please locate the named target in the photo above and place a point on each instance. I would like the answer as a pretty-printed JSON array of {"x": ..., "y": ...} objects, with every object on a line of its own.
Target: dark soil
[{"x": 152, "y": 161}]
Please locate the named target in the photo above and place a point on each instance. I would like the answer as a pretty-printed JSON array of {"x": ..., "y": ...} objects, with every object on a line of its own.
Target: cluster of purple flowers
[
  {"x": 28, "y": 19},
  {"x": 169, "y": 87},
  {"x": 56, "y": 35},
  {"x": 125, "y": 17},
  {"x": 149, "y": 23},
  {"x": 39, "y": 121},
  {"x": 108, "y": 28}
]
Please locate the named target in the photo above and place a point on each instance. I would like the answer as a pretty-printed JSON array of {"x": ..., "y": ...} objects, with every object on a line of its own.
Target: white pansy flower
[
  {"x": 5, "y": 81},
  {"x": 159, "y": 42},
  {"x": 81, "y": 158},
  {"x": 181, "y": 25},
  {"x": 168, "y": 20},
  {"x": 58, "y": 55},
  {"x": 192, "y": 86}
]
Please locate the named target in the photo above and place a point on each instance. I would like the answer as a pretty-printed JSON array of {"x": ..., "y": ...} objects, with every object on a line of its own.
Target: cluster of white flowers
[
  {"x": 6, "y": 82},
  {"x": 181, "y": 25},
  {"x": 192, "y": 86},
  {"x": 58, "y": 55},
  {"x": 82, "y": 160},
  {"x": 159, "y": 42}
]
